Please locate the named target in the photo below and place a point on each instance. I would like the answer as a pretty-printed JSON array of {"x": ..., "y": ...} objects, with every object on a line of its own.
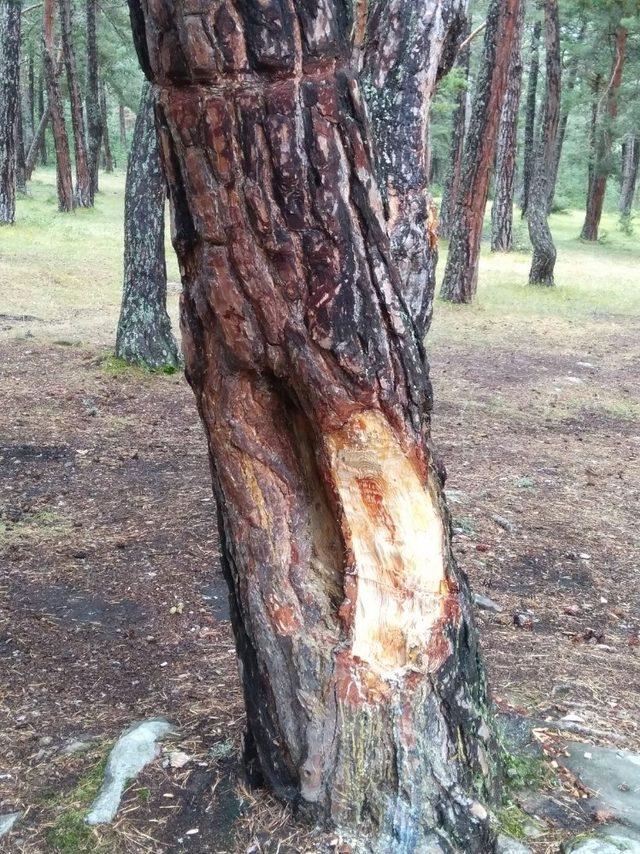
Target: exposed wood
[
  {"x": 544, "y": 251},
  {"x": 366, "y": 700},
  {"x": 461, "y": 273},
  {"x": 467, "y": 41}
]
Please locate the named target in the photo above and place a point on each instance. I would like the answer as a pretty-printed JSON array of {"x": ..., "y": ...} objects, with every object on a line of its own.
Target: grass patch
[
  {"x": 69, "y": 834},
  {"x": 32, "y": 527},
  {"x": 115, "y": 367}
]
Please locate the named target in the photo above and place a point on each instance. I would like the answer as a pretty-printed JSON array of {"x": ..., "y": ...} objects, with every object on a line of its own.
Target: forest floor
[{"x": 112, "y": 606}]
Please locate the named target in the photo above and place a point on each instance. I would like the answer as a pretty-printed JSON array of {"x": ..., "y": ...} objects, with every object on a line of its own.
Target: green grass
[
  {"x": 32, "y": 527},
  {"x": 69, "y": 834}
]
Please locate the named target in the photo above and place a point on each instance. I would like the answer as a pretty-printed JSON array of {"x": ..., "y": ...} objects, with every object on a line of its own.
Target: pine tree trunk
[
  {"x": 507, "y": 149},
  {"x": 56, "y": 114},
  {"x": 530, "y": 115},
  {"x": 123, "y": 128},
  {"x": 83, "y": 196},
  {"x": 630, "y": 163},
  {"x": 544, "y": 251},
  {"x": 106, "y": 144},
  {"x": 30, "y": 112},
  {"x": 10, "y": 15},
  {"x": 94, "y": 117},
  {"x": 459, "y": 129},
  {"x": 42, "y": 111},
  {"x": 601, "y": 169},
  {"x": 365, "y": 696},
  {"x": 398, "y": 89},
  {"x": 571, "y": 78},
  {"x": 144, "y": 330},
  {"x": 21, "y": 179},
  {"x": 461, "y": 273},
  {"x": 36, "y": 145}
]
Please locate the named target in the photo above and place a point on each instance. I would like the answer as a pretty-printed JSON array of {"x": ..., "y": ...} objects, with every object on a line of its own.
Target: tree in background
[
  {"x": 92, "y": 99},
  {"x": 10, "y": 19},
  {"x": 56, "y": 114},
  {"x": 83, "y": 194},
  {"x": 144, "y": 334},
  {"x": 461, "y": 273},
  {"x": 601, "y": 167},
  {"x": 106, "y": 140},
  {"x": 544, "y": 251},
  {"x": 530, "y": 113},
  {"x": 366, "y": 700},
  {"x": 630, "y": 163},
  {"x": 459, "y": 130},
  {"x": 507, "y": 149}
]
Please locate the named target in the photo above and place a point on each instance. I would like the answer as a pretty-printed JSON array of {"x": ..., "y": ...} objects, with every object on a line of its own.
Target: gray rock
[
  {"x": 486, "y": 604},
  {"x": 7, "y": 821},
  {"x": 508, "y": 845},
  {"x": 614, "y": 775},
  {"x": 505, "y": 524},
  {"x": 135, "y": 748},
  {"x": 605, "y": 844}
]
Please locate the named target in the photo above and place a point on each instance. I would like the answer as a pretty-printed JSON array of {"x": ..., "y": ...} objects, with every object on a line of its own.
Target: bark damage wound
[{"x": 395, "y": 533}]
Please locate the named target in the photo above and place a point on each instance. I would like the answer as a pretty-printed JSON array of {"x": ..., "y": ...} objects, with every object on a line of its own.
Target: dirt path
[{"x": 112, "y": 607}]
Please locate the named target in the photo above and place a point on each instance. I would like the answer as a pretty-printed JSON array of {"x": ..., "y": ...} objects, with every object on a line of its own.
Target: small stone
[
  {"x": 572, "y": 610},
  {"x": 523, "y": 621},
  {"x": 507, "y": 845},
  {"x": 7, "y": 821},
  {"x": 178, "y": 759},
  {"x": 505, "y": 524},
  {"x": 476, "y": 809},
  {"x": 486, "y": 604}
]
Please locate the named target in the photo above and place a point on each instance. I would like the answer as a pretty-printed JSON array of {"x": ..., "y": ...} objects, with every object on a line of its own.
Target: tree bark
[
  {"x": 36, "y": 145},
  {"x": 10, "y": 15},
  {"x": 459, "y": 129},
  {"x": 94, "y": 117},
  {"x": 144, "y": 330},
  {"x": 402, "y": 60},
  {"x": 366, "y": 700},
  {"x": 530, "y": 115},
  {"x": 602, "y": 167},
  {"x": 42, "y": 110},
  {"x": 461, "y": 273},
  {"x": 571, "y": 78},
  {"x": 544, "y": 251},
  {"x": 21, "y": 180},
  {"x": 30, "y": 112},
  {"x": 507, "y": 149},
  {"x": 630, "y": 163},
  {"x": 83, "y": 195},
  {"x": 106, "y": 144},
  {"x": 123, "y": 127},
  {"x": 60, "y": 140}
]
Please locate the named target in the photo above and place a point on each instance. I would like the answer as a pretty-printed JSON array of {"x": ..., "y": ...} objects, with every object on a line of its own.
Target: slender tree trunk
[
  {"x": 83, "y": 195},
  {"x": 365, "y": 698},
  {"x": 144, "y": 329},
  {"x": 459, "y": 129},
  {"x": 123, "y": 127},
  {"x": 568, "y": 88},
  {"x": 544, "y": 251},
  {"x": 42, "y": 111},
  {"x": 630, "y": 163},
  {"x": 30, "y": 111},
  {"x": 593, "y": 131},
  {"x": 94, "y": 117},
  {"x": 10, "y": 15},
  {"x": 60, "y": 140},
  {"x": 507, "y": 149},
  {"x": 106, "y": 144},
  {"x": 601, "y": 170},
  {"x": 461, "y": 273},
  {"x": 21, "y": 180},
  {"x": 36, "y": 145},
  {"x": 530, "y": 115}
]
